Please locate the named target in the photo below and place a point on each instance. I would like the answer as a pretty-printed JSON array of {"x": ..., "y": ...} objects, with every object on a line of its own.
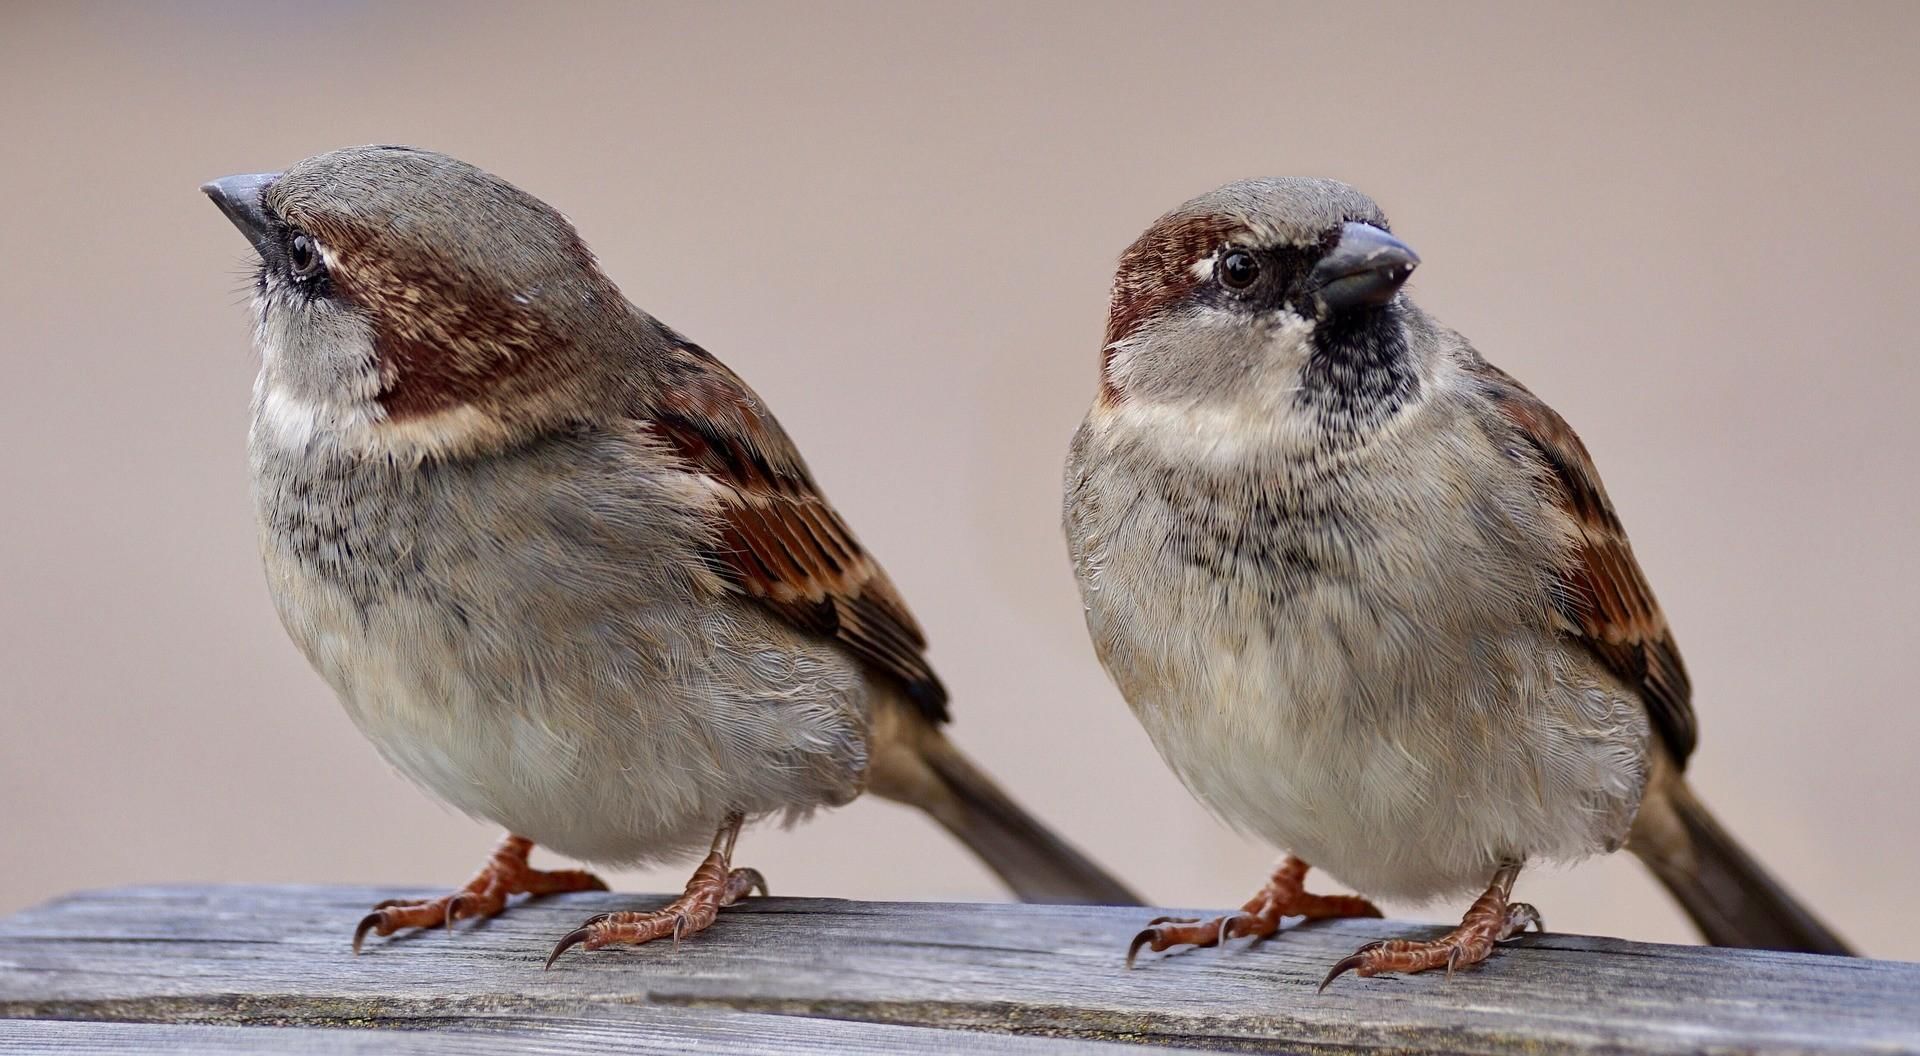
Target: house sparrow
[
  {"x": 1367, "y": 594},
  {"x": 561, "y": 565}
]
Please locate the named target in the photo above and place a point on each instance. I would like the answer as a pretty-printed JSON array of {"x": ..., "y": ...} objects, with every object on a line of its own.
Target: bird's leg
[
  {"x": 715, "y": 885},
  {"x": 1285, "y": 895},
  {"x": 1493, "y": 918},
  {"x": 505, "y": 874}
]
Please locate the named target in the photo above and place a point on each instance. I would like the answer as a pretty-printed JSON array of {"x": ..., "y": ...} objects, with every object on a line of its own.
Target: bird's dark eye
[
  {"x": 303, "y": 257},
  {"x": 1238, "y": 269}
]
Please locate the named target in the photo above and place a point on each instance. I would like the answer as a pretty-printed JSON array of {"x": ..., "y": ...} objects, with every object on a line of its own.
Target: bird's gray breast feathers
[
  {"x": 1334, "y": 649},
  {"x": 513, "y": 630}
]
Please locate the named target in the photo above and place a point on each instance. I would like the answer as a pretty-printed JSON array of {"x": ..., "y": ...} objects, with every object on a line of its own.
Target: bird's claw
[
  {"x": 367, "y": 923},
  {"x": 1491, "y": 921},
  {"x": 1285, "y": 895},
  {"x": 571, "y": 939},
  {"x": 1146, "y": 935},
  {"x": 394, "y": 914},
  {"x": 1521, "y": 914},
  {"x": 506, "y": 874},
  {"x": 1355, "y": 960},
  {"x": 712, "y": 888}
]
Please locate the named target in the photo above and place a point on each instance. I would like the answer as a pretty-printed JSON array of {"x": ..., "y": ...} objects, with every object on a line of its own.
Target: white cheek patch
[
  {"x": 286, "y": 416},
  {"x": 300, "y": 406},
  {"x": 1258, "y": 418},
  {"x": 296, "y": 424},
  {"x": 1206, "y": 434},
  {"x": 289, "y": 422}
]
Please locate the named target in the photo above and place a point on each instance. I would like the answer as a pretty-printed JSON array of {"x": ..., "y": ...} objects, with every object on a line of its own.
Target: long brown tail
[
  {"x": 914, "y": 763},
  {"x": 1729, "y": 896}
]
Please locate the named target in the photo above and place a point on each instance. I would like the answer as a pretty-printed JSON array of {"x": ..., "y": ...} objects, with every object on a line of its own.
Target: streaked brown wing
[
  {"x": 781, "y": 543},
  {"x": 1605, "y": 597}
]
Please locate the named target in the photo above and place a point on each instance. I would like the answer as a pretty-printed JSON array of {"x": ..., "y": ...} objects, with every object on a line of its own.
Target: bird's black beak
[
  {"x": 240, "y": 198},
  {"x": 1364, "y": 269}
]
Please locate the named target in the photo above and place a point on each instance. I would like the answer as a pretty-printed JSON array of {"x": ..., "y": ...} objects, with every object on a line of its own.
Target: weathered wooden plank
[
  {"x": 597, "y": 1033},
  {"x": 245, "y": 955}
]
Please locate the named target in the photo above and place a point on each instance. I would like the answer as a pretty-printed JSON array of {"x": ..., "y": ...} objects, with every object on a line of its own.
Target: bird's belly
[
  {"x": 1406, "y": 767},
  {"x": 560, "y": 748}
]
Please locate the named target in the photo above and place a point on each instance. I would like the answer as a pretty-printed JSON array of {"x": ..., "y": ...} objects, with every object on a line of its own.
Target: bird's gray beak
[
  {"x": 240, "y": 198},
  {"x": 1364, "y": 269}
]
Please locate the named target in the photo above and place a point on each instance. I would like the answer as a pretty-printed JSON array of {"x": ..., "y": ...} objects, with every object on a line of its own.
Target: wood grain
[
  {"x": 597, "y": 1033},
  {"x": 815, "y": 975}
]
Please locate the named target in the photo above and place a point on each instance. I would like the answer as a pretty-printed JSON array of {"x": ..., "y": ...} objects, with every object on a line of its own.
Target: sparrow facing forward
[
  {"x": 563, "y": 567},
  {"x": 1367, "y": 594}
]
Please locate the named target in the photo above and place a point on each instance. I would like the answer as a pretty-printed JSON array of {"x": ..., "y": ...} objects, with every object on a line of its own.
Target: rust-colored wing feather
[
  {"x": 1604, "y": 597},
  {"x": 780, "y": 542}
]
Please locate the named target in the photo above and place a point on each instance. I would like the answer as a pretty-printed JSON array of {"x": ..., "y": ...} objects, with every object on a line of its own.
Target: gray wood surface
[
  {"x": 789, "y": 975},
  {"x": 591, "y": 1033}
]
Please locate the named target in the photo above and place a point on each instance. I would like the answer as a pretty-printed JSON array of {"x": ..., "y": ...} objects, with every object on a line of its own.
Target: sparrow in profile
[
  {"x": 1368, "y": 596},
  {"x": 561, "y": 565}
]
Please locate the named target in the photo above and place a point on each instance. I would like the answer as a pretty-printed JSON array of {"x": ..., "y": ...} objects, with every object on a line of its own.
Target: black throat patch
[{"x": 1359, "y": 372}]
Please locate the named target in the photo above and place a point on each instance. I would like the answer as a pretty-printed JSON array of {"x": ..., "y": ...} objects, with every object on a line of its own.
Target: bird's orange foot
[
  {"x": 1492, "y": 919},
  {"x": 1285, "y": 895},
  {"x": 505, "y": 874},
  {"x": 715, "y": 886}
]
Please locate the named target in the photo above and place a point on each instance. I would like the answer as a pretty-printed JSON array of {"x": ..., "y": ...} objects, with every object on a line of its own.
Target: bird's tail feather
[
  {"x": 1730, "y": 897},
  {"x": 917, "y": 765}
]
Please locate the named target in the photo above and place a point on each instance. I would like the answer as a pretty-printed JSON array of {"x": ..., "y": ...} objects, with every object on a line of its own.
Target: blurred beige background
[{"x": 1692, "y": 230}]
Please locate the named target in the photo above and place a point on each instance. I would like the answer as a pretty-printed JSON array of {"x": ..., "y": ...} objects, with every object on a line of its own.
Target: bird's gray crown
[
  {"x": 1285, "y": 210},
  {"x": 403, "y": 201}
]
